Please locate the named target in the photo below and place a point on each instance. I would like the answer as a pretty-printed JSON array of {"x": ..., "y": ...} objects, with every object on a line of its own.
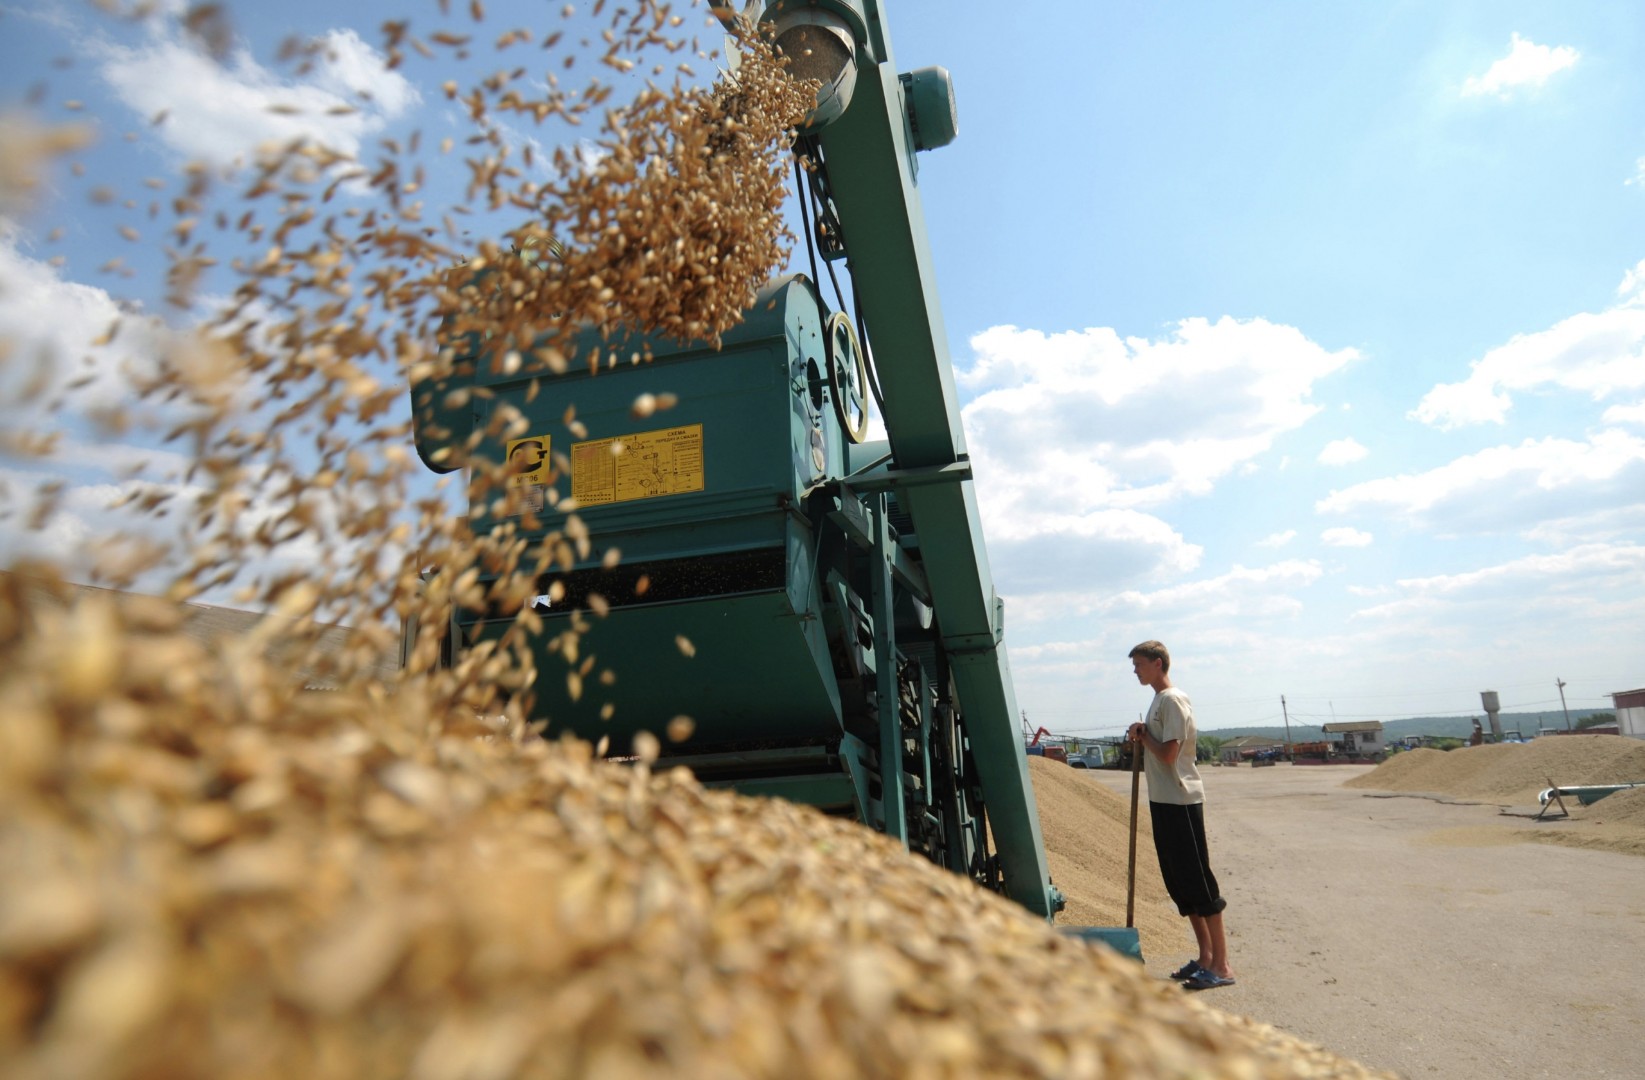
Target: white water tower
[{"x": 1488, "y": 699}]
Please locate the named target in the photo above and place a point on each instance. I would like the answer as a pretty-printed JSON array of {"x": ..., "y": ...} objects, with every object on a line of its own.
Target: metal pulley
[{"x": 847, "y": 376}]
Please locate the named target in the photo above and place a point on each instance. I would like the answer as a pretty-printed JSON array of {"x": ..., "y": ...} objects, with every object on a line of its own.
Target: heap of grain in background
[
  {"x": 213, "y": 873},
  {"x": 1513, "y": 775},
  {"x": 1510, "y": 773},
  {"x": 1086, "y": 829}
]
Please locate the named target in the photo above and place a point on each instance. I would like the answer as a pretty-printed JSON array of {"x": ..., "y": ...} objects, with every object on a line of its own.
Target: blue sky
[{"x": 1306, "y": 337}]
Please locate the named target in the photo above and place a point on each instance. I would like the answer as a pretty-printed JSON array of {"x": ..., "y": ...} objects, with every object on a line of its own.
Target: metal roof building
[{"x": 1630, "y": 712}]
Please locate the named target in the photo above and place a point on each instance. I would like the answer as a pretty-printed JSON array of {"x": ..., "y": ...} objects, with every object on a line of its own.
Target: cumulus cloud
[
  {"x": 1581, "y": 570},
  {"x": 1191, "y": 608},
  {"x": 1279, "y": 539},
  {"x": 1596, "y": 353},
  {"x": 85, "y": 514},
  {"x": 1625, "y": 414},
  {"x": 1632, "y": 288},
  {"x": 1345, "y": 537},
  {"x": 1077, "y": 435},
  {"x": 1526, "y": 65},
  {"x": 222, "y": 113},
  {"x": 75, "y": 352},
  {"x": 60, "y": 335},
  {"x": 1064, "y": 551},
  {"x": 1508, "y": 486},
  {"x": 1616, "y": 522},
  {"x": 1342, "y": 452},
  {"x": 1240, "y": 593}
]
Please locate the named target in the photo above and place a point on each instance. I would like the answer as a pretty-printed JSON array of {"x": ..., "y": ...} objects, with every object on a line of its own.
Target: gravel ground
[{"x": 1418, "y": 936}]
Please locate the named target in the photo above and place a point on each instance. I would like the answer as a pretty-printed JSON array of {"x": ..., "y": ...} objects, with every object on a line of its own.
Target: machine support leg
[
  {"x": 924, "y": 689},
  {"x": 885, "y": 669}
]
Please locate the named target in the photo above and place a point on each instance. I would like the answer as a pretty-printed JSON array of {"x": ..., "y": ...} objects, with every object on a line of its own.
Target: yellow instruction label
[{"x": 637, "y": 466}]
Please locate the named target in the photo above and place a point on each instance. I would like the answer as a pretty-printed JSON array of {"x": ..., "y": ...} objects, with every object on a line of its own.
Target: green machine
[{"x": 821, "y": 607}]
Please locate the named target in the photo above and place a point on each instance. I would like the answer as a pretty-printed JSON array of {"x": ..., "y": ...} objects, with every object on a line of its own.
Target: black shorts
[{"x": 1184, "y": 860}]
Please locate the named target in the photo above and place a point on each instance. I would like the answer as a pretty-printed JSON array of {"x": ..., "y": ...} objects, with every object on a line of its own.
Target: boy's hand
[{"x": 1135, "y": 732}]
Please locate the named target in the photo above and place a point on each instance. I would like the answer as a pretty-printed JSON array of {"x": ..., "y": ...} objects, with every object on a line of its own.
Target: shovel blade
[{"x": 1122, "y": 939}]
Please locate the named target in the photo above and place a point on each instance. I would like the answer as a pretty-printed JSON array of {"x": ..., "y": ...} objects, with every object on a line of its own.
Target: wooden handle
[{"x": 1131, "y": 867}]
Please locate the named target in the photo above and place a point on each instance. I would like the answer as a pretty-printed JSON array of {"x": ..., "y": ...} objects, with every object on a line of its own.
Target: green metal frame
[{"x": 850, "y": 661}]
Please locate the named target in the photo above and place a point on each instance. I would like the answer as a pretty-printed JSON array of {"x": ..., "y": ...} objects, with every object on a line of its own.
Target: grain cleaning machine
[{"x": 820, "y": 606}]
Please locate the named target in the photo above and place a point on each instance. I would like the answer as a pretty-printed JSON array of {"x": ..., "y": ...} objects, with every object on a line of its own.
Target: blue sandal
[
  {"x": 1206, "y": 979},
  {"x": 1187, "y": 971}
]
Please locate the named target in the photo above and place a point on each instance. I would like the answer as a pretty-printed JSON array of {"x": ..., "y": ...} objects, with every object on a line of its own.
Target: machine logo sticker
[
  {"x": 638, "y": 466},
  {"x": 528, "y": 460},
  {"x": 530, "y": 457}
]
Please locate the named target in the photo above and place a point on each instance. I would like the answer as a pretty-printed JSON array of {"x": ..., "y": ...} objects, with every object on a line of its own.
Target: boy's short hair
[{"x": 1152, "y": 650}]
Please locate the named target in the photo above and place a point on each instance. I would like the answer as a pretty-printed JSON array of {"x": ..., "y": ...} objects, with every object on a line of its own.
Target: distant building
[
  {"x": 1246, "y": 747},
  {"x": 1361, "y": 738},
  {"x": 1630, "y": 712}
]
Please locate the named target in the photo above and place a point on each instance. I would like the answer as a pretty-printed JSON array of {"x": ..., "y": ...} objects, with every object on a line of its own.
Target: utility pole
[
  {"x": 1559, "y": 682},
  {"x": 1287, "y": 715}
]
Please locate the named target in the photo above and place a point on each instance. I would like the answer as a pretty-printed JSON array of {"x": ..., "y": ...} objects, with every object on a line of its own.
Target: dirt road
[{"x": 1418, "y": 936}]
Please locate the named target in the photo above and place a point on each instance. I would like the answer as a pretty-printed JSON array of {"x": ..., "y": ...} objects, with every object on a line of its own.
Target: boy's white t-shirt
[{"x": 1171, "y": 717}]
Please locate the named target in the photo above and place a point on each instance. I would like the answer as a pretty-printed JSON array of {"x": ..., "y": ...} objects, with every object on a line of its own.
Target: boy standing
[{"x": 1176, "y": 803}]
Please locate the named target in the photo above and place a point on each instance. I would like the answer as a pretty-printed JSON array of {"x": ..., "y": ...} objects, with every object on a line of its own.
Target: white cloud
[
  {"x": 1638, "y": 179},
  {"x": 1632, "y": 287},
  {"x": 222, "y": 113},
  {"x": 1345, "y": 537},
  {"x": 1077, "y": 434},
  {"x": 1279, "y": 539},
  {"x": 1057, "y": 552},
  {"x": 1580, "y": 571},
  {"x": 1342, "y": 452},
  {"x": 93, "y": 512},
  {"x": 1526, "y": 65},
  {"x": 57, "y": 378},
  {"x": 1194, "y": 610},
  {"x": 1625, "y": 414},
  {"x": 1242, "y": 592},
  {"x": 1611, "y": 522},
  {"x": 1594, "y": 353},
  {"x": 1509, "y": 486},
  {"x": 55, "y": 329},
  {"x": 85, "y": 517}
]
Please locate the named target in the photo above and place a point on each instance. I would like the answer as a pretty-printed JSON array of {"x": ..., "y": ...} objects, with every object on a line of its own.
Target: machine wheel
[{"x": 847, "y": 376}]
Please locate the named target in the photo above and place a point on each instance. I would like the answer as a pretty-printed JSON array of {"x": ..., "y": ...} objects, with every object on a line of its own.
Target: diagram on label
[{"x": 638, "y": 466}]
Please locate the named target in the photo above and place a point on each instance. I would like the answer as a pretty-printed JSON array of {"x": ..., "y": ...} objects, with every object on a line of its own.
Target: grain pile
[
  {"x": 1086, "y": 831},
  {"x": 211, "y": 872},
  {"x": 1623, "y": 808},
  {"x": 210, "y": 877},
  {"x": 1512, "y": 775}
]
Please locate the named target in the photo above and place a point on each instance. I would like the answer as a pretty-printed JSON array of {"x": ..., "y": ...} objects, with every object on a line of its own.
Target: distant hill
[{"x": 1527, "y": 723}]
